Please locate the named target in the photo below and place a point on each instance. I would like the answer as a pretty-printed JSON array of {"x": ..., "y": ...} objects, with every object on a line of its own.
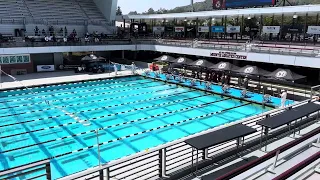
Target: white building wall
[{"x": 108, "y": 8}]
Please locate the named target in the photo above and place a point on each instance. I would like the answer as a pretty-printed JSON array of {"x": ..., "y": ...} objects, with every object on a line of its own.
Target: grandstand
[{"x": 74, "y": 14}]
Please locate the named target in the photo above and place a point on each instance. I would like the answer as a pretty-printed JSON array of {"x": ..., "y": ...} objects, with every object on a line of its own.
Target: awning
[{"x": 285, "y": 74}]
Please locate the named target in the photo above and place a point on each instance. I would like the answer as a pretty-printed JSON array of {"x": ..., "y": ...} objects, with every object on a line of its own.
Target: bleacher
[{"x": 72, "y": 14}]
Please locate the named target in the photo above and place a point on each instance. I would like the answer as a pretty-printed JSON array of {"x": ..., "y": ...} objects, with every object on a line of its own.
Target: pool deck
[{"x": 47, "y": 78}]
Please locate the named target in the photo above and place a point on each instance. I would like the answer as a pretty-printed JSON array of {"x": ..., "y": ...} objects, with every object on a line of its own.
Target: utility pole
[{"x": 192, "y": 8}]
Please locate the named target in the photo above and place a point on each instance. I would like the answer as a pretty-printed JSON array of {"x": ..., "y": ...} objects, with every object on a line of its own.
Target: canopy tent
[
  {"x": 165, "y": 58},
  {"x": 284, "y": 74},
  {"x": 223, "y": 66},
  {"x": 252, "y": 70},
  {"x": 201, "y": 63},
  {"x": 92, "y": 57},
  {"x": 182, "y": 61}
]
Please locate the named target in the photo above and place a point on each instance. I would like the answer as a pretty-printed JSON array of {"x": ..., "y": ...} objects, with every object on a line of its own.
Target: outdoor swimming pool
[{"x": 132, "y": 113}]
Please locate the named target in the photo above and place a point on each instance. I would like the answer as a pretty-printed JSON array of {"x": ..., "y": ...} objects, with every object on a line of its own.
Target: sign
[
  {"x": 15, "y": 59},
  {"x": 281, "y": 74},
  {"x": 199, "y": 63},
  {"x": 217, "y": 29},
  {"x": 168, "y": 28},
  {"x": 313, "y": 30},
  {"x": 203, "y": 29},
  {"x": 191, "y": 29},
  {"x": 179, "y": 29},
  {"x": 45, "y": 68},
  {"x": 228, "y": 55},
  {"x": 292, "y": 29},
  {"x": 222, "y": 4},
  {"x": 271, "y": 29},
  {"x": 233, "y": 29},
  {"x": 158, "y": 29},
  {"x": 180, "y": 60},
  {"x": 248, "y": 70}
]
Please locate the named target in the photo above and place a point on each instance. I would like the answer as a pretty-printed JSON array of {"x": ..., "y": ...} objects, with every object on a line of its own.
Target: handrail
[
  {"x": 271, "y": 154},
  {"x": 298, "y": 167}
]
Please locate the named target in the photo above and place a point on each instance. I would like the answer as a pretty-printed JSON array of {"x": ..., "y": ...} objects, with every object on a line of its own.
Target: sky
[{"x": 144, "y": 5}]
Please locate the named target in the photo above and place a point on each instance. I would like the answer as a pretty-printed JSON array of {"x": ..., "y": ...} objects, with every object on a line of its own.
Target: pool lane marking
[
  {"x": 77, "y": 97},
  {"x": 116, "y": 105},
  {"x": 72, "y": 88},
  {"x": 120, "y": 124},
  {"x": 146, "y": 131},
  {"x": 109, "y": 115},
  {"x": 52, "y": 108}
]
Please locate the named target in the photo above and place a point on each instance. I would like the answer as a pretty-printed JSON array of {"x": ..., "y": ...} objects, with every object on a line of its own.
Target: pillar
[
  {"x": 197, "y": 25},
  {"x": 281, "y": 26},
  {"x": 237, "y": 23},
  {"x": 210, "y": 26},
  {"x": 305, "y": 27},
  {"x": 242, "y": 25},
  {"x": 57, "y": 59},
  {"x": 225, "y": 27},
  {"x": 122, "y": 54}
]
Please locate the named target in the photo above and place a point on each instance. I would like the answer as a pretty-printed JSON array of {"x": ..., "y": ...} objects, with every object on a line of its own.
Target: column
[
  {"x": 281, "y": 26},
  {"x": 305, "y": 28},
  {"x": 261, "y": 25},
  {"x": 225, "y": 27},
  {"x": 237, "y": 23},
  {"x": 242, "y": 26},
  {"x": 210, "y": 25},
  {"x": 197, "y": 25}
]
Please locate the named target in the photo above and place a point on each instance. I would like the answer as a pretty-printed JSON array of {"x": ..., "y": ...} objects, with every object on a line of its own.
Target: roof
[{"x": 288, "y": 10}]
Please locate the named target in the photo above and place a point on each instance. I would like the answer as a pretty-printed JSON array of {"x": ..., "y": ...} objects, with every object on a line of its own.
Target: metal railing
[
  {"x": 35, "y": 170},
  {"x": 173, "y": 156}
]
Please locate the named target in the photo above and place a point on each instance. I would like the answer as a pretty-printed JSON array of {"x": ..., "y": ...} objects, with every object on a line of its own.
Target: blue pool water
[{"x": 33, "y": 128}]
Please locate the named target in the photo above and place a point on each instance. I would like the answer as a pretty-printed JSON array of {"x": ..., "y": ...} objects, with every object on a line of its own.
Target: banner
[
  {"x": 179, "y": 29},
  {"x": 168, "y": 28},
  {"x": 217, "y": 29},
  {"x": 271, "y": 29},
  {"x": 158, "y": 29},
  {"x": 45, "y": 68},
  {"x": 203, "y": 29},
  {"x": 228, "y": 55},
  {"x": 233, "y": 29},
  {"x": 292, "y": 29},
  {"x": 313, "y": 30},
  {"x": 222, "y": 4},
  {"x": 191, "y": 29}
]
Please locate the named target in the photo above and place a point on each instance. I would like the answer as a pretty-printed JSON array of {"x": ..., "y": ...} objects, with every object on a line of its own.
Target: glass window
[
  {"x": 13, "y": 60},
  {"x": 5, "y": 59},
  {"x": 19, "y": 59},
  {"x": 26, "y": 59}
]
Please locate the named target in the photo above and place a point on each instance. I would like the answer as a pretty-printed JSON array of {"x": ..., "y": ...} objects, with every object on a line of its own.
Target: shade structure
[
  {"x": 201, "y": 63},
  {"x": 252, "y": 70},
  {"x": 164, "y": 58},
  {"x": 284, "y": 74},
  {"x": 182, "y": 61},
  {"x": 223, "y": 66},
  {"x": 86, "y": 58}
]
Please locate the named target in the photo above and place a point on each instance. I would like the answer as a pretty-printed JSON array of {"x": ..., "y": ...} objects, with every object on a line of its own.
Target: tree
[
  {"x": 133, "y": 13},
  {"x": 150, "y": 11},
  {"x": 118, "y": 12}
]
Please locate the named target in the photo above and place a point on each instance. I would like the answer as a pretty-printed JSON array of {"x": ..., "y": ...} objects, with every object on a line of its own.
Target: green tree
[
  {"x": 150, "y": 11},
  {"x": 133, "y": 13},
  {"x": 118, "y": 12}
]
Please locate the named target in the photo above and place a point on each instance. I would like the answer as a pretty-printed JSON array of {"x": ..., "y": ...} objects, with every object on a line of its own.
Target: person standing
[
  {"x": 115, "y": 69},
  {"x": 283, "y": 98},
  {"x": 133, "y": 67}
]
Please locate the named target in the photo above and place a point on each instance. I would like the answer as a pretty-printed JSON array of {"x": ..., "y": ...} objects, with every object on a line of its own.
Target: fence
[{"x": 36, "y": 170}]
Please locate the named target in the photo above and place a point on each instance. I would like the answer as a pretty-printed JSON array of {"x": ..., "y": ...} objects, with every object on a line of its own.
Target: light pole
[{"x": 99, "y": 157}]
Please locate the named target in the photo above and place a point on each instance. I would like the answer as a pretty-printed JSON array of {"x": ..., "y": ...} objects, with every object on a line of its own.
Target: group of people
[{"x": 115, "y": 67}]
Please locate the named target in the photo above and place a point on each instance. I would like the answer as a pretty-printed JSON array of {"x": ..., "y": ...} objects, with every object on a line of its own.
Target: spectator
[
  {"x": 61, "y": 32},
  {"x": 36, "y": 31},
  {"x": 43, "y": 32},
  {"x": 65, "y": 31}
]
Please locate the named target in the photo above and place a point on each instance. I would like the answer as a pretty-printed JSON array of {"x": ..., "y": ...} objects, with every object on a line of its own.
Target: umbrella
[
  {"x": 223, "y": 66},
  {"x": 252, "y": 70},
  {"x": 284, "y": 74},
  {"x": 164, "y": 58},
  {"x": 86, "y": 58},
  {"x": 201, "y": 63}
]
